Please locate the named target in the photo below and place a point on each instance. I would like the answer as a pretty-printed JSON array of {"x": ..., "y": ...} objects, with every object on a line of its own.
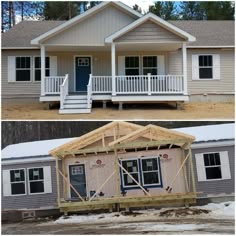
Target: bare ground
[{"x": 189, "y": 111}]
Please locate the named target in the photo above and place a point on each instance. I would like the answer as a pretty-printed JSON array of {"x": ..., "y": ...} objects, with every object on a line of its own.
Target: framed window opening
[
  {"x": 205, "y": 63},
  {"x": 37, "y": 67},
  {"x": 36, "y": 180},
  {"x": 212, "y": 165},
  {"x": 150, "y": 65},
  {"x": 132, "y": 65},
  {"x": 18, "y": 182},
  {"x": 23, "y": 68}
]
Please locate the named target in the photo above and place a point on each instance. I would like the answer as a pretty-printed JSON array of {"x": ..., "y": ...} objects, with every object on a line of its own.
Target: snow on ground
[{"x": 224, "y": 210}]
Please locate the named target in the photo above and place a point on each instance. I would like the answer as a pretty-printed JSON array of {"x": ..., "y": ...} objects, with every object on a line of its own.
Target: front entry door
[
  {"x": 82, "y": 71},
  {"x": 78, "y": 180}
]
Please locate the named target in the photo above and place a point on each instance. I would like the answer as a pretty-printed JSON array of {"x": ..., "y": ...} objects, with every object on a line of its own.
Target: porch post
[
  {"x": 42, "y": 53},
  {"x": 113, "y": 68},
  {"x": 184, "y": 52}
]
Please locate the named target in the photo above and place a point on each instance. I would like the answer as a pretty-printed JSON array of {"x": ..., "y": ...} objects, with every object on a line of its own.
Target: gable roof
[
  {"x": 82, "y": 17},
  {"x": 155, "y": 19}
]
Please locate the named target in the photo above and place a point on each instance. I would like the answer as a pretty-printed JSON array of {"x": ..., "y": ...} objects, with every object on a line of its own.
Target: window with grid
[
  {"x": 23, "y": 68},
  {"x": 212, "y": 165},
  {"x": 132, "y": 65},
  {"x": 17, "y": 180},
  {"x": 150, "y": 171},
  {"x": 36, "y": 180},
  {"x": 205, "y": 66},
  {"x": 132, "y": 167},
  {"x": 37, "y": 68},
  {"x": 150, "y": 65}
]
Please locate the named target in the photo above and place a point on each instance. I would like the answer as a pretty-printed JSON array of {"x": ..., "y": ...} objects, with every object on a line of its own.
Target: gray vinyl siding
[
  {"x": 227, "y": 75},
  {"x": 31, "y": 201},
  {"x": 93, "y": 30},
  {"x": 149, "y": 31},
  {"x": 220, "y": 187}
]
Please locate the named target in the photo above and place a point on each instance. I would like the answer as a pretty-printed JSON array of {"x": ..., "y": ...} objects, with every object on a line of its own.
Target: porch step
[
  {"x": 76, "y": 105},
  {"x": 76, "y": 97},
  {"x": 75, "y": 111}
]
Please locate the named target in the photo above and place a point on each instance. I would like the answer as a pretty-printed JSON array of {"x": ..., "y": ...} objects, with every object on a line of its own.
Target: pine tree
[{"x": 191, "y": 10}]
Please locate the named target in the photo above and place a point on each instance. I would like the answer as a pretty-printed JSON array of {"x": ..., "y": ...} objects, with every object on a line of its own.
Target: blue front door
[{"x": 82, "y": 71}]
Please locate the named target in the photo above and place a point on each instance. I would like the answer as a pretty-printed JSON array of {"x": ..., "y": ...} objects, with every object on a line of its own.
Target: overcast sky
[{"x": 144, "y": 4}]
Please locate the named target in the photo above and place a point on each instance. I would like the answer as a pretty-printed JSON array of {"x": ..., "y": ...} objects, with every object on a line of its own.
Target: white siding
[{"x": 93, "y": 30}]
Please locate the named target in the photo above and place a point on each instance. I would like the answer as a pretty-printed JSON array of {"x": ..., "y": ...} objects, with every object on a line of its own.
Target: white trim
[
  {"x": 149, "y": 42},
  {"x": 157, "y": 20},
  {"x": 42, "y": 55},
  {"x": 185, "y": 68},
  {"x": 212, "y": 144},
  {"x": 74, "y": 61},
  {"x": 230, "y": 46},
  {"x": 26, "y": 160},
  {"x": 113, "y": 68},
  {"x": 79, "y": 18},
  {"x": 22, "y": 48}
]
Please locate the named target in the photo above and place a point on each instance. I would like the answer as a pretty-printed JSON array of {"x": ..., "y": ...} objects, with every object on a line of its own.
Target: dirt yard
[{"x": 189, "y": 111}]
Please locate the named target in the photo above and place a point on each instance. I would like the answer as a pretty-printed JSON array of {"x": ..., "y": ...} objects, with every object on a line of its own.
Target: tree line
[{"x": 13, "y": 12}]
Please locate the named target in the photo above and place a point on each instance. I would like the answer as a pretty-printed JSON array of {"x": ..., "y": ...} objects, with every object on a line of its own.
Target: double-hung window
[
  {"x": 36, "y": 180},
  {"x": 212, "y": 165},
  {"x": 17, "y": 181},
  {"x": 205, "y": 66},
  {"x": 150, "y": 65},
  {"x": 132, "y": 65},
  {"x": 23, "y": 68},
  {"x": 37, "y": 68}
]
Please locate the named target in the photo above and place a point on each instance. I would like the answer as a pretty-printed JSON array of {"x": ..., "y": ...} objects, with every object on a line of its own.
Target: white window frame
[
  {"x": 33, "y": 68},
  {"x": 17, "y": 69},
  {"x": 142, "y": 171},
  {"x": 207, "y": 67},
  {"x": 139, "y": 68},
  {"x": 150, "y": 67},
  {"x": 123, "y": 173},
  {"x": 22, "y": 194}
]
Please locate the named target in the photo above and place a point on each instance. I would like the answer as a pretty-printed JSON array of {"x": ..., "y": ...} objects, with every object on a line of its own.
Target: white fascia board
[
  {"x": 78, "y": 18},
  {"x": 26, "y": 160},
  {"x": 213, "y": 144},
  {"x": 157, "y": 20},
  {"x": 230, "y": 46},
  {"x": 19, "y": 48}
]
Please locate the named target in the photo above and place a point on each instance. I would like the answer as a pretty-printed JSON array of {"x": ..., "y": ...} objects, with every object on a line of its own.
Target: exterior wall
[
  {"x": 96, "y": 176},
  {"x": 220, "y": 187},
  {"x": 199, "y": 87},
  {"x": 93, "y": 30},
  {"x": 149, "y": 31},
  {"x": 35, "y": 201}
]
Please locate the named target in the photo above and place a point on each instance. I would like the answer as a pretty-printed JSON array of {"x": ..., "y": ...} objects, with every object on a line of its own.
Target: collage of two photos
[{"x": 118, "y": 117}]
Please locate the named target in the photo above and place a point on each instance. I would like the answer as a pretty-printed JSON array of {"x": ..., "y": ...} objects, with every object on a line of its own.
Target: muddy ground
[
  {"x": 189, "y": 111},
  {"x": 165, "y": 226}
]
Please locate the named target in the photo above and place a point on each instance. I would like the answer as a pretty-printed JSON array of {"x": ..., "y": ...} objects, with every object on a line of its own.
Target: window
[
  {"x": 150, "y": 171},
  {"x": 36, "y": 180},
  {"x": 17, "y": 181},
  {"x": 23, "y": 68},
  {"x": 37, "y": 68},
  {"x": 146, "y": 171},
  {"x": 132, "y": 65},
  {"x": 132, "y": 167},
  {"x": 212, "y": 165},
  {"x": 150, "y": 65},
  {"x": 205, "y": 66}
]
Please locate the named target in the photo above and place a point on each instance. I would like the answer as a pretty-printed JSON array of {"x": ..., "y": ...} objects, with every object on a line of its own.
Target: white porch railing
[
  {"x": 64, "y": 91},
  {"x": 89, "y": 91},
  {"x": 141, "y": 84},
  {"x": 52, "y": 84}
]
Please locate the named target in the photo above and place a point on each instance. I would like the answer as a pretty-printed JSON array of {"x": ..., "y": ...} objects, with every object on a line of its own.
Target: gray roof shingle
[{"x": 207, "y": 33}]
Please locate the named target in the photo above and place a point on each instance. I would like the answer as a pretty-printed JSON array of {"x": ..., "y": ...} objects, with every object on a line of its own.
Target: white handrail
[
  {"x": 89, "y": 91},
  {"x": 52, "y": 84},
  {"x": 64, "y": 90}
]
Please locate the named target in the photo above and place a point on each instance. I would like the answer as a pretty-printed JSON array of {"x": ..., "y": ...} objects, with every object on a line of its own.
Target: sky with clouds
[{"x": 144, "y": 4}]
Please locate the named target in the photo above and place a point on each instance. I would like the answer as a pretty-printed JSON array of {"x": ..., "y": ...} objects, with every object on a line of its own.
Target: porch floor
[{"x": 174, "y": 199}]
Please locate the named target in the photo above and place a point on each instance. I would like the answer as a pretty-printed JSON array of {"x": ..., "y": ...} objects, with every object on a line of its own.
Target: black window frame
[
  {"x": 21, "y": 68},
  {"x": 131, "y": 66},
  {"x": 144, "y": 67},
  {"x": 205, "y": 65}
]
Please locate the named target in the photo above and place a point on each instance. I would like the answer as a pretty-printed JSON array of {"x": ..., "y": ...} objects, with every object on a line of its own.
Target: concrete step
[
  {"x": 76, "y": 106},
  {"x": 74, "y": 111},
  {"x": 76, "y": 97}
]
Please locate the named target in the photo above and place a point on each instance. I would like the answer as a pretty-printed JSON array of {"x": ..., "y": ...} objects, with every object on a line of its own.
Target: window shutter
[
  {"x": 6, "y": 183},
  {"x": 225, "y": 166},
  {"x": 161, "y": 65},
  {"x": 200, "y": 166},
  {"x": 11, "y": 69},
  {"x": 121, "y": 65},
  {"x": 195, "y": 67},
  {"x": 47, "y": 179},
  {"x": 216, "y": 66},
  {"x": 53, "y": 66}
]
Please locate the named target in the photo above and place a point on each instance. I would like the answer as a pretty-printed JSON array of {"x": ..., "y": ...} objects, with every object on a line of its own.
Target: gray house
[
  {"x": 29, "y": 180},
  {"x": 113, "y": 53}
]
